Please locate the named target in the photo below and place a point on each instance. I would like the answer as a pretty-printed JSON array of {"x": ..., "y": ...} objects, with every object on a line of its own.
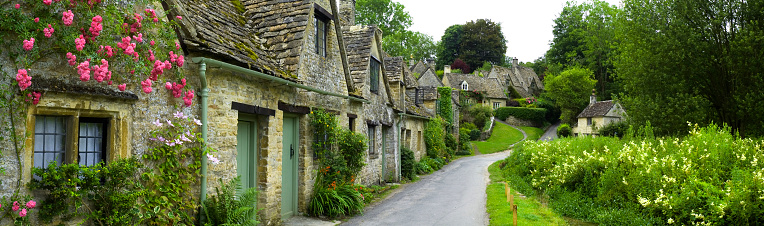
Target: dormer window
[
  {"x": 374, "y": 65},
  {"x": 321, "y": 24},
  {"x": 465, "y": 86}
]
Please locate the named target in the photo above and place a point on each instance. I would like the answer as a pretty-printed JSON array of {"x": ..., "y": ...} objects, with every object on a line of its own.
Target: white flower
[
  {"x": 157, "y": 123},
  {"x": 213, "y": 159},
  {"x": 670, "y": 221}
]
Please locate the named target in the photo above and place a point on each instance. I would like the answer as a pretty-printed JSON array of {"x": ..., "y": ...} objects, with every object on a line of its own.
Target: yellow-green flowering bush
[{"x": 709, "y": 177}]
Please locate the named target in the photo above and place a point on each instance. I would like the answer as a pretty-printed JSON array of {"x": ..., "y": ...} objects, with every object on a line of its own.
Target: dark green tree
[
  {"x": 693, "y": 61},
  {"x": 391, "y": 17},
  {"x": 570, "y": 90},
  {"x": 408, "y": 43},
  {"x": 482, "y": 41},
  {"x": 448, "y": 47}
]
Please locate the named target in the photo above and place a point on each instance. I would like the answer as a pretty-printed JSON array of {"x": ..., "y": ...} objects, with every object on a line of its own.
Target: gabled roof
[
  {"x": 474, "y": 82},
  {"x": 220, "y": 29},
  {"x": 281, "y": 23},
  {"x": 429, "y": 78},
  {"x": 409, "y": 80},
  {"x": 418, "y": 68},
  {"x": 358, "y": 40},
  {"x": 394, "y": 68},
  {"x": 413, "y": 109},
  {"x": 598, "y": 109},
  {"x": 494, "y": 89}
]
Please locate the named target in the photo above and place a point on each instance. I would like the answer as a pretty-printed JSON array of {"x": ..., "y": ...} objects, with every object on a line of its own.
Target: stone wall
[
  {"x": 414, "y": 129},
  {"x": 521, "y": 122}
]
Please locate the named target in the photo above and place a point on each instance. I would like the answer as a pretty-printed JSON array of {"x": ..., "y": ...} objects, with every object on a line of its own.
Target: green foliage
[
  {"x": 445, "y": 109},
  {"x": 532, "y": 132},
  {"x": 530, "y": 210},
  {"x": 482, "y": 41},
  {"x": 564, "y": 130},
  {"x": 408, "y": 163},
  {"x": 536, "y": 115},
  {"x": 423, "y": 168},
  {"x": 615, "y": 129},
  {"x": 486, "y": 67},
  {"x": 700, "y": 71},
  {"x": 227, "y": 207},
  {"x": 513, "y": 94},
  {"x": 102, "y": 194},
  {"x": 468, "y": 126},
  {"x": 708, "y": 177},
  {"x": 339, "y": 151},
  {"x": 570, "y": 90},
  {"x": 434, "y": 135},
  {"x": 353, "y": 149},
  {"x": 428, "y": 165},
  {"x": 456, "y": 71},
  {"x": 451, "y": 145},
  {"x": 478, "y": 115},
  {"x": 502, "y": 137},
  {"x": 475, "y": 134},
  {"x": 552, "y": 112},
  {"x": 409, "y": 43},
  {"x": 391, "y": 17},
  {"x": 448, "y": 47},
  {"x": 465, "y": 148},
  {"x": 335, "y": 201}
]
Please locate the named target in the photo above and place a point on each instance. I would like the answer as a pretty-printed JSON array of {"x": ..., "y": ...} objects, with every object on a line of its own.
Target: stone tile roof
[
  {"x": 418, "y": 68},
  {"x": 413, "y": 109},
  {"x": 494, "y": 89},
  {"x": 409, "y": 80},
  {"x": 283, "y": 24},
  {"x": 394, "y": 68},
  {"x": 598, "y": 109},
  {"x": 358, "y": 40},
  {"x": 220, "y": 28},
  {"x": 475, "y": 82}
]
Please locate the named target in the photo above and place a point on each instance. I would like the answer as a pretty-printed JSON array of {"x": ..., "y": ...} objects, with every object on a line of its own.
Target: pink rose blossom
[
  {"x": 102, "y": 72},
  {"x": 48, "y": 31},
  {"x": 125, "y": 43},
  {"x": 47, "y": 2},
  {"x": 177, "y": 45},
  {"x": 23, "y": 79},
  {"x": 31, "y": 204},
  {"x": 189, "y": 98},
  {"x": 122, "y": 87},
  {"x": 155, "y": 19},
  {"x": 68, "y": 18},
  {"x": 79, "y": 43},
  {"x": 151, "y": 13},
  {"x": 180, "y": 60},
  {"x": 152, "y": 43},
  {"x": 151, "y": 56},
  {"x": 35, "y": 100},
  {"x": 146, "y": 85},
  {"x": 72, "y": 58},
  {"x": 17, "y": 6},
  {"x": 158, "y": 70},
  {"x": 15, "y": 206},
  {"x": 37, "y": 20},
  {"x": 179, "y": 17},
  {"x": 168, "y": 86},
  {"x": 139, "y": 37},
  {"x": 95, "y": 26},
  {"x": 167, "y": 64},
  {"x": 29, "y": 44},
  {"x": 23, "y": 213},
  {"x": 109, "y": 83},
  {"x": 84, "y": 70}
]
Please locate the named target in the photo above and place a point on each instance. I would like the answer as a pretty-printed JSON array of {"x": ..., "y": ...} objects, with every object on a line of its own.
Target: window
[
  {"x": 588, "y": 121},
  {"x": 54, "y": 141},
  {"x": 351, "y": 124},
  {"x": 465, "y": 86},
  {"x": 418, "y": 96},
  {"x": 321, "y": 24},
  {"x": 374, "y": 75},
  {"x": 496, "y": 105},
  {"x": 372, "y": 139}
]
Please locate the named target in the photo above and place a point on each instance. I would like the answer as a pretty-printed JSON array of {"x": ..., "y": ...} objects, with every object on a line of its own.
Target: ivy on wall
[{"x": 445, "y": 108}]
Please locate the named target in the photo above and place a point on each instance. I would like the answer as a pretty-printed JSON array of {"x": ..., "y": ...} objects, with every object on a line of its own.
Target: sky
[{"x": 527, "y": 24}]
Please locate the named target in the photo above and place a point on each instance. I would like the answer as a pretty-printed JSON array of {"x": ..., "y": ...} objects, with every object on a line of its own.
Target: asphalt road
[
  {"x": 551, "y": 133},
  {"x": 454, "y": 195}
]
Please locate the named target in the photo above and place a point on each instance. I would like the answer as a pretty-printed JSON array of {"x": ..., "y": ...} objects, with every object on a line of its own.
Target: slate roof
[
  {"x": 494, "y": 89},
  {"x": 411, "y": 108},
  {"x": 409, "y": 80},
  {"x": 598, "y": 109},
  {"x": 358, "y": 40},
  {"x": 474, "y": 82},
  {"x": 220, "y": 28},
  {"x": 282, "y": 23},
  {"x": 394, "y": 68},
  {"x": 418, "y": 68}
]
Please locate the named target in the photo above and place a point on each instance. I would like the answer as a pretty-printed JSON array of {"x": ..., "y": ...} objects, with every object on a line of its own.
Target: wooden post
[
  {"x": 507, "y": 191},
  {"x": 514, "y": 215}
]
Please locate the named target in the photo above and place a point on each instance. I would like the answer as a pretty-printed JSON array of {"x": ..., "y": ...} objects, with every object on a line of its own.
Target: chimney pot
[
  {"x": 592, "y": 98},
  {"x": 446, "y": 69},
  {"x": 514, "y": 62}
]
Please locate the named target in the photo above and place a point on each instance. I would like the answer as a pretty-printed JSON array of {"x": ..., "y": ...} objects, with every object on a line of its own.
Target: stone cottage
[
  {"x": 413, "y": 118},
  {"x": 522, "y": 79},
  {"x": 597, "y": 115}
]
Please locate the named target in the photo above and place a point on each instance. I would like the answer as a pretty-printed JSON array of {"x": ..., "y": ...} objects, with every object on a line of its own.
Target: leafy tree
[
  {"x": 461, "y": 66},
  {"x": 448, "y": 47},
  {"x": 390, "y": 16},
  {"x": 482, "y": 41},
  {"x": 570, "y": 90},
  {"x": 693, "y": 60},
  {"x": 409, "y": 43}
]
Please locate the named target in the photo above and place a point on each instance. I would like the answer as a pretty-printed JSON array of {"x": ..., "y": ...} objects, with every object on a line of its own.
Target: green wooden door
[
  {"x": 289, "y": 168},
  {"x": 246, "y": 157}
]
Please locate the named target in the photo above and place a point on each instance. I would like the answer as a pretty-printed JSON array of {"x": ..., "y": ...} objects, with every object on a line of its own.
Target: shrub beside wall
[{"x": 537, "y": 115}]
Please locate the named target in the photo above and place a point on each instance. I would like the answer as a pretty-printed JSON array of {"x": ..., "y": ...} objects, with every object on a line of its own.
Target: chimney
[
  {"x": 514, "y": 62},
  {"x": 347, "y": 12},
  {"x": 411, "y": 61},
  {"x": 592, "y": 98},
  {"x": 446, "y": 69}
]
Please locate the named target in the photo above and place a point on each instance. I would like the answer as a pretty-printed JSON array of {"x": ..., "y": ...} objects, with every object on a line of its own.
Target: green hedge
[{"x": 533, "y": 114}]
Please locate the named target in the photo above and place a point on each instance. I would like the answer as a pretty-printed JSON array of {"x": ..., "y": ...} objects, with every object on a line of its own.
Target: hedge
[{"x": 534, "y": 114}]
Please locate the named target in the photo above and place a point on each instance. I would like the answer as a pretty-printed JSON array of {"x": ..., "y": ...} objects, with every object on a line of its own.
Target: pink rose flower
[
  {"x": 23, "y": 213},
  {"x": 29, "y": 44},
  {"x": 15, "y": 206},
  {"x": 152, "y": 43},
  {"x": 177, "y": 45},
  {"x": 72, "y": 58},
  {"x": 48, "y": 31},
  {"x": 24, "y": 81},
  {"x": 37, "y": 20},
  {"x": 146, "y": 85},
  {"x": 189, "y": 98},
  {"x": 179, "y": 17},
  {"x": 47, "y": 2},
  {"x": 139, "y": 37},
  {"x": 35, "y": 100},
  {"x": 168, "y": 86},
  {"x": 79, "y": 43},
  {"x": 68, "y": 18},
  {"x": 95, "y": 26},
  {"x": 180, "y": 60},
  {"x": 122, "y": 87},
  {"x": 84, "y": 70},
  {"x": 31, "y": 204},
  {"x": 17, "y": 6}
]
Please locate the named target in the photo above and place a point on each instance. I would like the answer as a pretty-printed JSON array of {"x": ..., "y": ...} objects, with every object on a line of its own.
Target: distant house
[
  {"x": 522, "y": 79},
  {"x": 597, "y": 115}
]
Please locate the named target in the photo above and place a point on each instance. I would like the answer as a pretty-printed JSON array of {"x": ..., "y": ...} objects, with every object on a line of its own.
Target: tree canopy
[
  {"x": 475, "y": 42},
  {"x": 448, "y": 47},
  {"x": 408, "y": 43},
  {"x": 570, "y": 90},
  {"x": 394, "y": 21}
]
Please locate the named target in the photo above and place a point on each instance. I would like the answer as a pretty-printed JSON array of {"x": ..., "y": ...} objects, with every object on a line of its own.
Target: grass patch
[
  {"x": 502, "y": 137},
  {"x": 532, "y": 132},
  {"x": 529, "y": 210}
]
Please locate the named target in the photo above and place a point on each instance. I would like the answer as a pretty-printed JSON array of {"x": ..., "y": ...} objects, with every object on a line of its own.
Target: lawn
[
  {"x": 532, "y": 132},
  {"x": 529, "y": 210},
  {"x": 502, "y": 137}
]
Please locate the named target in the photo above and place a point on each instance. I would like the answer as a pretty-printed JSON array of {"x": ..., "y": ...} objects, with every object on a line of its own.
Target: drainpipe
[{"x": 204, "y": 94}]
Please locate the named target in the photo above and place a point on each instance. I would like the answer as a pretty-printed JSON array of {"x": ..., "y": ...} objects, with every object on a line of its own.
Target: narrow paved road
[
  {"x": 551, "y": 133},
  {"x": 454, "y": 195}
]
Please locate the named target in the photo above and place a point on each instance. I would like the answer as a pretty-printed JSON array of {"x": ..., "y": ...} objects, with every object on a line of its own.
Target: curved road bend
[{"x": 454, "y": 195}]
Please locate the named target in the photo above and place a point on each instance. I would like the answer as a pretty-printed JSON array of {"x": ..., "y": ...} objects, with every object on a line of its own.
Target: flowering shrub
[
  {"x": 17, "y": 208},
  {"x": 709, "y": 177},
  {"x": 175, "y": 155}
]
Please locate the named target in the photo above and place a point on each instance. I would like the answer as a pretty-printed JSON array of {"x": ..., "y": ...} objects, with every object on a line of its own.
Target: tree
[
  {"x": 570, "y": 90},
  {"x": 407, "y": 43},
  {"x": 481, "y": 41},
  {"x": 448, "y": 47},
  {"x": 388, "y": 15},
  {"x": 693, "y": 60},
  {"x": 460, "y": 65}
]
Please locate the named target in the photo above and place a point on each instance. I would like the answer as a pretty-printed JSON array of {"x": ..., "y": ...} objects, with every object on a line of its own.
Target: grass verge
[
  {"x": 529, "y": 210},
  {"x": 532, "y": 132},
  {"x": 501, "y": 138}
]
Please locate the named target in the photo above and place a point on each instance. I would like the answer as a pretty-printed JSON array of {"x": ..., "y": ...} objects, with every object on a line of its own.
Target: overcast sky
[{"x": 527, "y": 24}]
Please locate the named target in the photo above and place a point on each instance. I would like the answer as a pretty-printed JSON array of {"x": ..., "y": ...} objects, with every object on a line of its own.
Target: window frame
[
  {"x": 320, "y": 29},
  {"x": 72, "y": 136},
  {"x": 374, "y": 70},
  {"x": 589, "y": 121},
  {"x": 372, "y": 133}
]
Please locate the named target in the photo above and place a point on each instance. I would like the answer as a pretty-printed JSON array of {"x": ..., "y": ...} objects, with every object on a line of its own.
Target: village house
[
  {"x": 522, "y": 80},
  {"x": 597, "y": 115},
  {"x": 413, "y": 117}
]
